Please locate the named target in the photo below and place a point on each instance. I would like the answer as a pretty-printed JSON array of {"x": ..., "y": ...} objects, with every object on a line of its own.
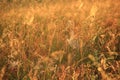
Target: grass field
[{"x": 59, "y": 40}]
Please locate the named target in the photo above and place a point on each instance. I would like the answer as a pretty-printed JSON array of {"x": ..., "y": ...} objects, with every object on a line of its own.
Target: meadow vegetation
[{"x": 59, "y": 40}]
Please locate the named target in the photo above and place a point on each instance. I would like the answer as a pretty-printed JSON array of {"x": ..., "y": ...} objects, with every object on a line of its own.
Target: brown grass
[{"x": 59, "y": 40}]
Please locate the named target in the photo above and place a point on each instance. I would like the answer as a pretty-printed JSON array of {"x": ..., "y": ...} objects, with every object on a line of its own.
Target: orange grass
[{"x": 59, "y": 40}]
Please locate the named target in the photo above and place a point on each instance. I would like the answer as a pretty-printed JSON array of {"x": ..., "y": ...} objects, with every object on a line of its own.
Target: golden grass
[{"x": 59, "y": 40}]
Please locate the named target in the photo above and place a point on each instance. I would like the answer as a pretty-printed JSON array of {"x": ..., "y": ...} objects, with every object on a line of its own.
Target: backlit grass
[{"x": 59, "y": 40}]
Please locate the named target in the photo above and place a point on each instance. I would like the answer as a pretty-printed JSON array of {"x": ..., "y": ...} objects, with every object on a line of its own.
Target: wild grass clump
[{"x": 59, "y": 40}]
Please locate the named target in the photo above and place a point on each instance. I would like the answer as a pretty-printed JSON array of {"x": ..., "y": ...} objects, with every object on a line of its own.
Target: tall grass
[{"x": 59, "y": 40}]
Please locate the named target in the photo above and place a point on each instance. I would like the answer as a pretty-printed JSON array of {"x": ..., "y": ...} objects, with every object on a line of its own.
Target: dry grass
[{"x": 59, "y": 40}]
